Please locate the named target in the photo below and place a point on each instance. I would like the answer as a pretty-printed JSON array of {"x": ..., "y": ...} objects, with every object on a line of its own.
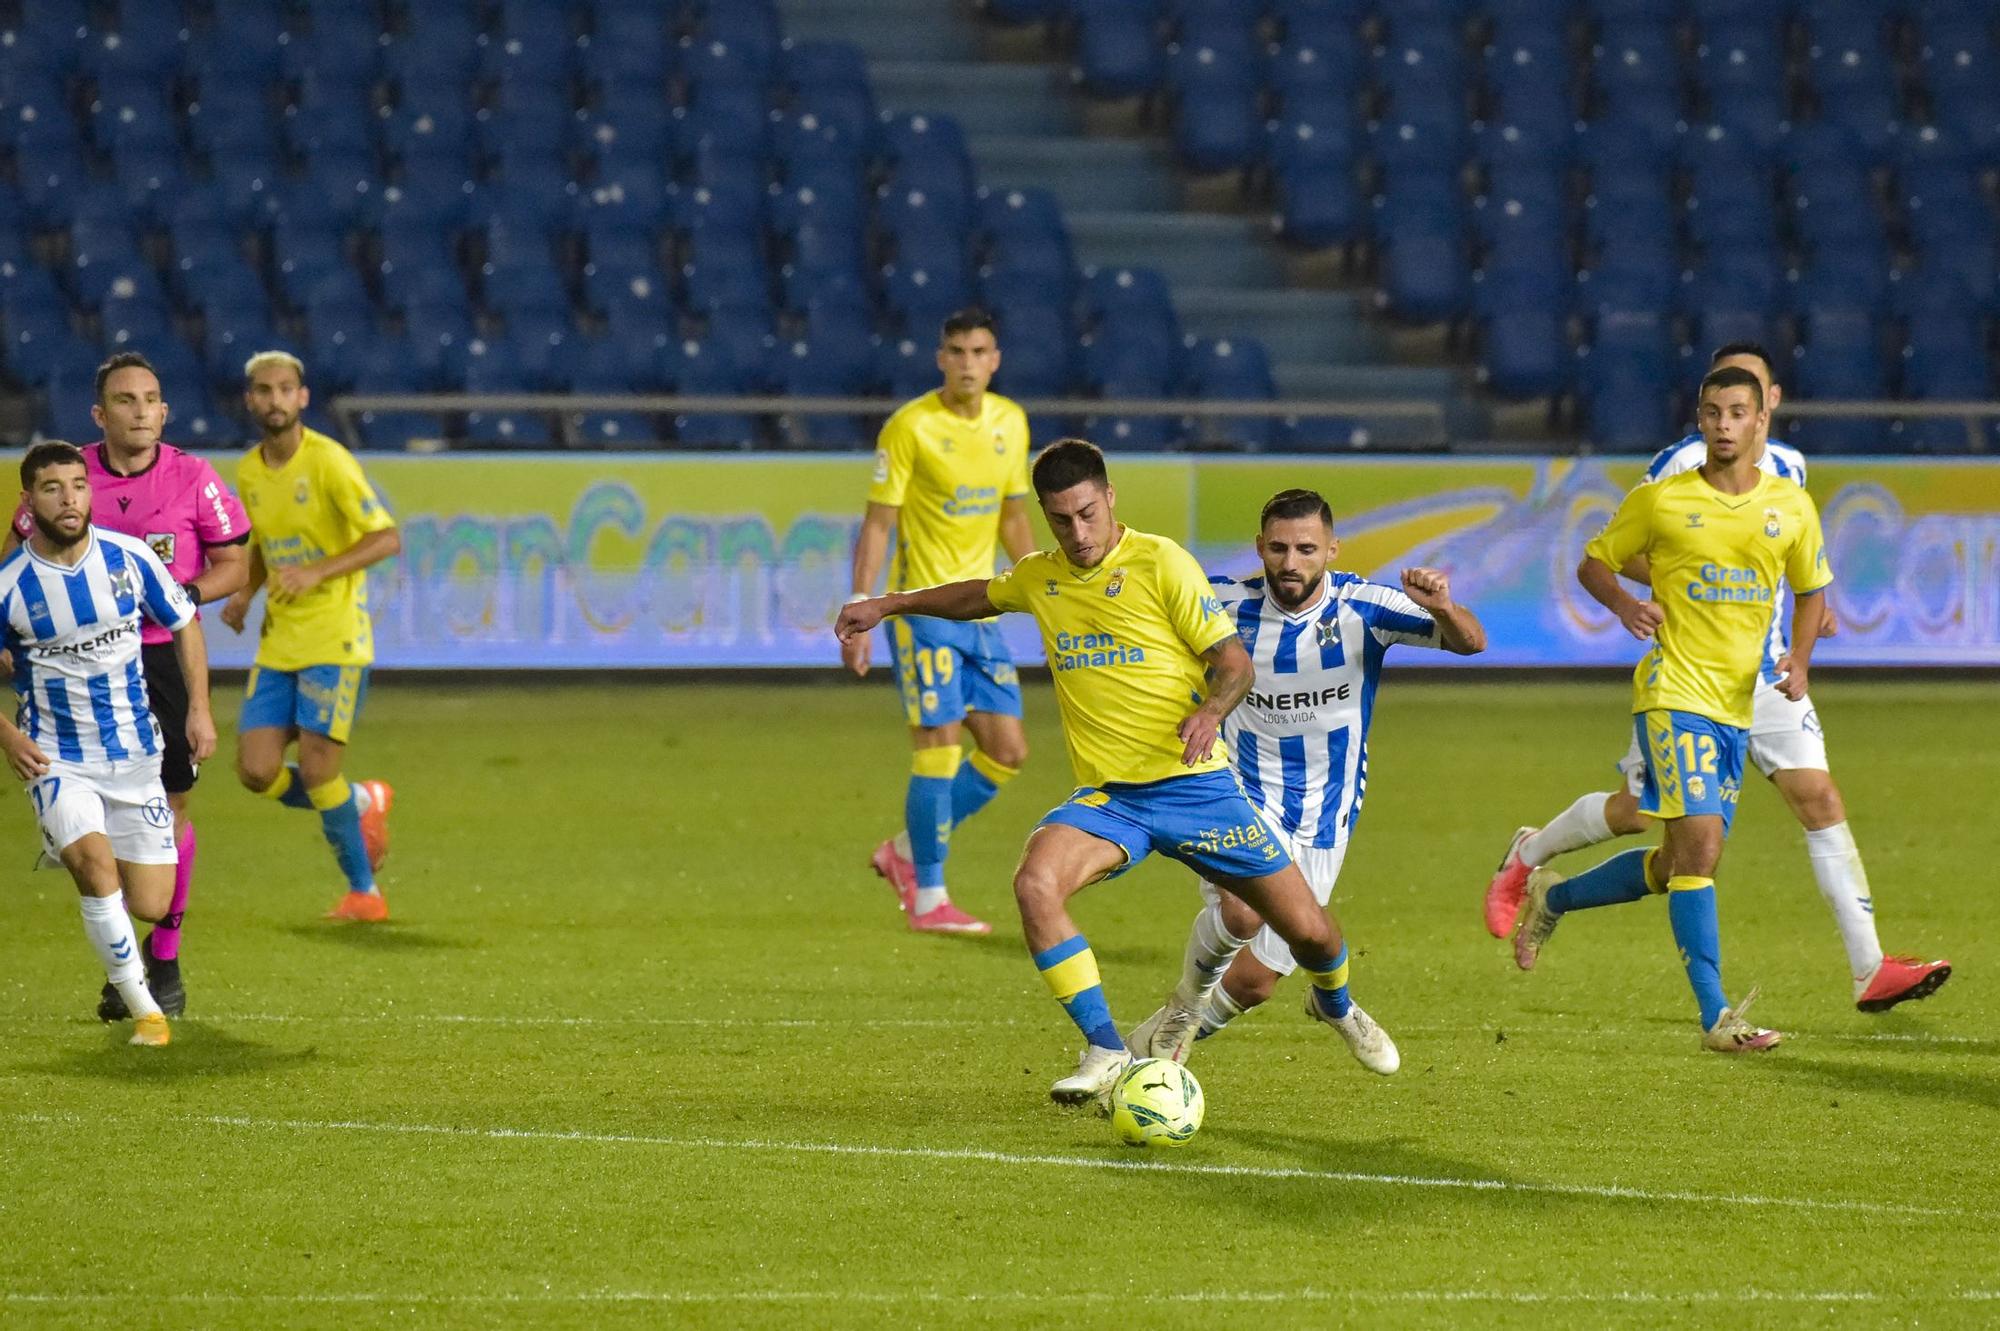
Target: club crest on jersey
[
  {"x": 299, "y": 495},
  {"x": 1329, "y": 632},
  {"x": 1771, "y": 527},
  {"x": 999, "y": 442},
  {"x": 163, "y": 545},
  {"x": 122, "y": 586},
  {"x": 1117, "y": 583}
]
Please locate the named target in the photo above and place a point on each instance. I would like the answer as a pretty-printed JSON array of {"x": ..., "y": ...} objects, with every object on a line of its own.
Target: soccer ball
[{"x": 1155, "y": 1102}]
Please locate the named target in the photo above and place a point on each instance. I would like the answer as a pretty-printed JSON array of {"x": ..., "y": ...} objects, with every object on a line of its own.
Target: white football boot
[
  {"x": 1095, "y": 1074},
  {"x": 1370, "y": 1044},
  {"x": 1169, "y": 1033}
]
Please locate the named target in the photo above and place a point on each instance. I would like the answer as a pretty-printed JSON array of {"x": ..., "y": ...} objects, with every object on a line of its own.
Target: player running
[
  {"x": 177, "y": 505},
  {"x": 71, "y": 601},
  {"x": 1719, "y": 541},
  {"x": 1788, "y": 745},
  {"x": 951, "y": 478},
  {"x": 1300, "y": 741},
  {"x": 319, "y": 527},
  {"x": 1132, "y": 632}
]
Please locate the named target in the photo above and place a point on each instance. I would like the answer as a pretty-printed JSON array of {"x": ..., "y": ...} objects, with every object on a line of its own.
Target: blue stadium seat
[
  {"x": 1230, "y": 370},
  {"x": 130, "y": 112},
  {"x": 1038, "y": 349},
  {"x": 626, "y": 43},
  {"x": 1135, "y": 291},
  {"x": 1117, "y": 51},
  {"x": 148, "y": 178},
  {"x": 1624, "y": 381},
  {"x": 1218, "y": 127},
  {"x": 515, "y": 288},
  {"x": 1299, "y": 69},
  {"x": 1840, "y": 356},
  {"x": 808, "y": 369},
  {"x": 1317, "y": 196},
  {"x": 698, "y": 369},
  {"x": 35, "y": 354},
  {"x": 603, "y": 366},
  {"x": 825, "y": 264},
  {"x": 1525, "y": 346}
]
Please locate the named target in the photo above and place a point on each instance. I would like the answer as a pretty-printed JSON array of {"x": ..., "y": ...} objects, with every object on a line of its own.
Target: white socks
[
  {"x": 1836, "y": 866},
  {"x": 1581, "y": 824},
  {"x": 1210, "y": 949},
  {"x": 1221, "y": 1010},
  {"x": 928, "y": 900},
  {"x": 109, "y": 930}
]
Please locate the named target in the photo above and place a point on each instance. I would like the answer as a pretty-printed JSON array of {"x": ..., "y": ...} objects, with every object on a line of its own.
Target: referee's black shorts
[{"x": 167, "y": 691}]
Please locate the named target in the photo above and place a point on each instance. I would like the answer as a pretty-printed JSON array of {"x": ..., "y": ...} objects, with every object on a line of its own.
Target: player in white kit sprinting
[
  {"x": 83, "y": 737},
  {"x": 1299, "y": 742},
  {"x": 1787, "y": 743}
]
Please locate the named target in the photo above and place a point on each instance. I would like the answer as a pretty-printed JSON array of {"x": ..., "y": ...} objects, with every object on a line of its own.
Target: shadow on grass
[
  {"x": 198, "y": 1050},
  {"x": 386, "y": 937},
  {"x": 1982, "y": 1091}
]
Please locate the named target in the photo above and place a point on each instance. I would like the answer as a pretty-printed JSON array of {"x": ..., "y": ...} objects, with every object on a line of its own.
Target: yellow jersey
[
  {"x": 317, "y": 504},
  {"x": 1124, "y": 641},
  {"x": 1717, "y": 561},
  {"x": 948, "y": 476}
]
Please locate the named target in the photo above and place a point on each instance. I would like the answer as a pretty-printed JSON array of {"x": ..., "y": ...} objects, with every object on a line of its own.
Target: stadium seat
[
  {"x": 1117, "y": 50},
  {"x": 1229, "y": 370}
]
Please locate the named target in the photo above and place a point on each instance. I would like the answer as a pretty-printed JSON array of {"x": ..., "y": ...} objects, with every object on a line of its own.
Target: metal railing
[
  {"x": 1413, "y": 424},
  {"x": 1409, "y": 424},
  {"x": 1971, "y": 415}
]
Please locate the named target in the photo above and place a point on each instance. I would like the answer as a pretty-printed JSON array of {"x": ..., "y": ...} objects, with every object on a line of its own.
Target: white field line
[
  {"x": 779, "y": 1146},
  {"x": 1259, "y": 1031},
  {"x": 1028, "y": 1297}
]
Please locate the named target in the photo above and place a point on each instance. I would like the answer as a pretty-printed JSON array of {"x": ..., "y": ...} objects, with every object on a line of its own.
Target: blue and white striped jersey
[
  {"x": 1780, "y": 460},
  {"x": 1299, "y": 742},
  {"x": 74, "y": 636}
]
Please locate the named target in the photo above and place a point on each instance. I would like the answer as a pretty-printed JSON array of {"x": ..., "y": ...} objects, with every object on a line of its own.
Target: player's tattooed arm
[
  {"x": 1459, "y": 630},
  {"x": 953, "y": 600},
  {"x": 1230, "y": 675},
  {"x": 1642, "y": 619}
]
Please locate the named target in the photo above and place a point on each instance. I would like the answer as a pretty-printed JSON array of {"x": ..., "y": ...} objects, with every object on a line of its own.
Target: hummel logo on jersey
[
  {"x": 1694, "y": 520},
  {"x": 1052, "y": 591}
]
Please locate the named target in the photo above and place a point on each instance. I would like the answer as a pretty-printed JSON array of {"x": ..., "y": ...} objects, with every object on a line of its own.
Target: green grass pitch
[{"x": 646, "y": 1044}]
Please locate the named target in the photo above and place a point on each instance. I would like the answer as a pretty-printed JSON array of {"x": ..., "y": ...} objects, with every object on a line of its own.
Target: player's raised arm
[
  {"x": 1459, "y": 630},
  {"x": 954, "y": 600}
]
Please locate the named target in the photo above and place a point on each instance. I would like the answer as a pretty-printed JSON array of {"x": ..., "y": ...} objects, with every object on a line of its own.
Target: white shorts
[
  {"x": 1321, "y": 866},
  {"x": 1784, "y": 736},
  {"x": 123, "y": 801}
]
